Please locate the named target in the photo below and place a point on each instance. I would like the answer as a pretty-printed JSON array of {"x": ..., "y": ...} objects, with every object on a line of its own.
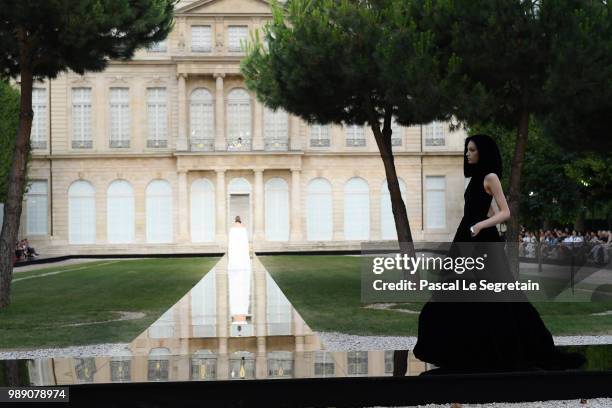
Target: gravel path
[{"x": 334, "y": 341}]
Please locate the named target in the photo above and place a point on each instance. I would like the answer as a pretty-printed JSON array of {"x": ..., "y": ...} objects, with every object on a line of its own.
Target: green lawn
[
  {"x": 326, "y": 291},
  {"x": 94, "y": 291}
]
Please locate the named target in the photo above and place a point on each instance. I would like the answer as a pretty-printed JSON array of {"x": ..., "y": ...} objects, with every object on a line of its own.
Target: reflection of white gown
[{"x": 238, "y": 270}]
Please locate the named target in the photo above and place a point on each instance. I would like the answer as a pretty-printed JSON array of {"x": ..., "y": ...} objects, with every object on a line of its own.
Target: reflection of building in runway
[
  {"x": 239, "y": 272},
  {"x": 194, "y": 340}
]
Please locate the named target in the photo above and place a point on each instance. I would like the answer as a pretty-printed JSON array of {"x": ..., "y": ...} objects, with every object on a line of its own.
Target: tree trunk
[
  {"x": 402, "y": 226},
  {"x": 514, "y": 198},
  {"x": 16, "y": 183}
]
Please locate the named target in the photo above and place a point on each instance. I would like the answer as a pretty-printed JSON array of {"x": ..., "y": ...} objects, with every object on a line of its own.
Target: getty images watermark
[{"x": 477, "y": 271}]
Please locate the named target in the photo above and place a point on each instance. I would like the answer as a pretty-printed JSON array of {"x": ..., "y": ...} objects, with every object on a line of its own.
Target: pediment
[{"x": 226, "y": 7}]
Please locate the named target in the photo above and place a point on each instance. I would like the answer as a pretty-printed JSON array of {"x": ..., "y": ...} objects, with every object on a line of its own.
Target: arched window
[
  {"x": 238, "y": 120},
  {"x": 159, "y": 211},
  {"x": 203, "y": 365},
  {"x": 319, "y": 220},
  {"x": 356, "y": 209},
  {"x": 158, "y": 364},
  {"x": 278, "y": 310},
  {"x": 204, "y": 306},
  {"x": 277, "y": 210},
  {"x": 81, "y": 213},
  {"x": 120, "y": 212},
  {"x": 241, "y": 365},
  {"x": 163, "y": 328},
  {"x": 202, "y": 211},
  {"x": 201, "y": 111},
  {"x": 387, "y": 222}
]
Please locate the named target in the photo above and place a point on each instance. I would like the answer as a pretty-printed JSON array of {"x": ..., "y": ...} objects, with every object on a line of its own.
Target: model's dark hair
[
  {"x": 237, "y": 219},
  {"x": 489, "y": 158}
]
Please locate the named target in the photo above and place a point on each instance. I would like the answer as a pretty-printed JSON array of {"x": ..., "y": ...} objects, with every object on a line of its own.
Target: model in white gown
[{"x": 239, "y": 271}]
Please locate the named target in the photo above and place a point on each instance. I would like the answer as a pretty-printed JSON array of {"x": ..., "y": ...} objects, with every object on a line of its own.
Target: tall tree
[
  {"x": 353, "y": 62},
  {"x": 41, "y": 38},
  {"x": 581, "y": 82},
  {"x": 509, "y": 54},
  {"x": 548, "y": 196},
  {"x": 350, "y": 62}
]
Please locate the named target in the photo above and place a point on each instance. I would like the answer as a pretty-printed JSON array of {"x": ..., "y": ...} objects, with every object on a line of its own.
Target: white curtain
[
  {"x": 159, "y": 211},
  {"x": 81, "y": 213},
  {"x": 277, "y": 210},
  {"x": 356, "y": 209},
  {"x": 387, "y": 222},
  {"x": 120, "y": 212},
  {"x": 202, "y": 211},
  {"x": 319, "y": 219}
]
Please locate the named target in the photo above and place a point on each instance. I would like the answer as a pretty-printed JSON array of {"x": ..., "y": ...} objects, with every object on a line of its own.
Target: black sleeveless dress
[{"x": 478, "y": 335}]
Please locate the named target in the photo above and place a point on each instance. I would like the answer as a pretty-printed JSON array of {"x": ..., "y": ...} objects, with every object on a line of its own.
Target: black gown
[{"x": 478, "y": 335}]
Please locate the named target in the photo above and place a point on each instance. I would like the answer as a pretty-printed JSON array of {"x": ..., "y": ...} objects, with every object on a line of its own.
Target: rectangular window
[
  {"x": 81, "y": 118},
  {"x": 435, "y": 134},
  {"x": 357, "y": 362},
  {"x": 396, "y": 133},
  {"x": 355, "y": 136},
  {"x": 319, "y": 136},
  {"x": 201, "y": 39},
  {"x": 436, "y": 201},
  {"x": 119, "y": 117},
  {"x": 160, "y": 46},
  {"x": 157, "y": 117},
  {"x": 38, "y": 137},
  {"x": 236, "y": 34},
  {"x": 36, "y": 208},
  {"x": 324, "y": 365}
]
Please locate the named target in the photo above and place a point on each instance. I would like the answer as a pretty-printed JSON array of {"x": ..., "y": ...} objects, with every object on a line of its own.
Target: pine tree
[{"x": 41, "y": 38}]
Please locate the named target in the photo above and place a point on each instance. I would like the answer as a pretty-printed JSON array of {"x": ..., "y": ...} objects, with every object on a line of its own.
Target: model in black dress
[{"x": 491, "y": 335}]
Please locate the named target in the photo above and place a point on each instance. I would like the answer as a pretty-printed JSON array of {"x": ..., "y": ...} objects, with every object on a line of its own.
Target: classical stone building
[{"x": 158, "y": 154}]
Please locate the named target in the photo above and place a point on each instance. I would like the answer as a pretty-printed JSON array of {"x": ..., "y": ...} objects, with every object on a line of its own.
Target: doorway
[{"x": 239, "y": 204}]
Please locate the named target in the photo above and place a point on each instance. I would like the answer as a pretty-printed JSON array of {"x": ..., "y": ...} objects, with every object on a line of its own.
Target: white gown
[{"x": 239, "y": 271}]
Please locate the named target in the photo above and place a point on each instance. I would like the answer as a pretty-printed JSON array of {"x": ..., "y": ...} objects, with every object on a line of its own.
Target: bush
[{"x": 9, "y": 122}]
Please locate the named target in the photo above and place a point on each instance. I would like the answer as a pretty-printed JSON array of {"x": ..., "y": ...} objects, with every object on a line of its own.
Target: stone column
[
  {"x": 183, "y": 207},
  {"x": 258, "y": 142},
  {"x": 219, "y": 113},
  {"x": 220, "y": 198},
  {"x": 258, "y": 233},
  {"x": 181, "y": 142},
  {"x": 295, "y": 137},
  {"x": 296, "y": 213}
]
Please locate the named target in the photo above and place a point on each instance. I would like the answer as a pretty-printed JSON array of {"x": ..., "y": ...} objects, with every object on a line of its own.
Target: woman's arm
[
  {"x": 493, "y": 185},
  {"x": 492, "y": 209}
]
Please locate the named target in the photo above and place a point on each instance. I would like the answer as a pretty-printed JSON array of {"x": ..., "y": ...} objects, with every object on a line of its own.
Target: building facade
[{"x": 160, "y": 153}]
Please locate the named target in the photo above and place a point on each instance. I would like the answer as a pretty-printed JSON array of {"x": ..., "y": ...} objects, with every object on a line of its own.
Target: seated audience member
[{"x": 30, "y": 250}]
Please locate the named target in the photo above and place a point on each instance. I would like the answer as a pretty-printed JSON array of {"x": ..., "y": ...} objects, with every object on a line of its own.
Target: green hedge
[{"x": 9, "y": 121}]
